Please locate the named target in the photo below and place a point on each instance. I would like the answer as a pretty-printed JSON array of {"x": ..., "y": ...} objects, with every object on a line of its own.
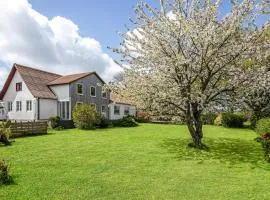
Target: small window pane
[
  {"x": 9, "y": 106},
  {"x": 67, "y": 109},
  {"x": 126, "y": 111},
  {"x": 117, "y": 110},
  {"x": 18, "y": 106},
  {"x": 79, "y": 89},
  {"x": 18, "y": 87},
  {"x": 63, "y": 110},
  {"x": 103, "y": 109},
  {"x": 93, "y": 91},
  {"x": 28, "y": 105}
]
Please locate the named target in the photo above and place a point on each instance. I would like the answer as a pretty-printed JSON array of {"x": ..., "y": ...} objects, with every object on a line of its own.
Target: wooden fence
[{"x": 31, "y": 128}]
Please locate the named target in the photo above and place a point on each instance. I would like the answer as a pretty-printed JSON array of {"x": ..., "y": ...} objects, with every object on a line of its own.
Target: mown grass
[{"x": 146, "y": 162}]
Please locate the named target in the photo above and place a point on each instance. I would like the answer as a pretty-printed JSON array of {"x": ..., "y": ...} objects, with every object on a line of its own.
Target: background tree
[
  {"x": 257, "y": 97},
  {"x": 185, "y": 57}
]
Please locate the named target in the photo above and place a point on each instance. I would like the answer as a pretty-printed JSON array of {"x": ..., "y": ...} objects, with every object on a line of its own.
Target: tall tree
[{"x": 185, "y": 57}]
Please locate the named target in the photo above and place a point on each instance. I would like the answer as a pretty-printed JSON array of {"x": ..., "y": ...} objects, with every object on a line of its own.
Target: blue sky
[{"x": 100, "y": 19}]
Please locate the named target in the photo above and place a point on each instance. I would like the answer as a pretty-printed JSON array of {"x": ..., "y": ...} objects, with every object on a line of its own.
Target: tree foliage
[{"x": 185, "y": 58}]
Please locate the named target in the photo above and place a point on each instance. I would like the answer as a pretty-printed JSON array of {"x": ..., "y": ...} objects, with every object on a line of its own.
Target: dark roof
[
  {"x": 37, "y": 81},
  {"x": 73, "y": 77},
  {"x": 69, "y": 78}
]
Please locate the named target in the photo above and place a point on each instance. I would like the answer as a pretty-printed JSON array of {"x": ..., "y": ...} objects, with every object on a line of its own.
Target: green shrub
[
  {"x": 208, "y": 118},
  {"x": 5, "y": 132},
  {"x": 5, "y": 178},
  {"x": 143, "y": 117},
  {"x": 55, "y": 122},
  {"x": 218, "y": 120},
  {"x": 128, "y": 121},
  {"x": 85, "y": 117},
  {"x": 256, "y": 116},
  {"x": 231, "y": 120},
  {"x": 263, "y": 126},
  {"x": 104, "y": 123},
  {"x": 246, "y": 115}
]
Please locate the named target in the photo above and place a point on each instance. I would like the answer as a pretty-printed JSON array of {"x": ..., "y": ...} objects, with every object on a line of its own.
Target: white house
[
  {"x": 33, "y": 94},
  {"x": 119, "y": 108}
]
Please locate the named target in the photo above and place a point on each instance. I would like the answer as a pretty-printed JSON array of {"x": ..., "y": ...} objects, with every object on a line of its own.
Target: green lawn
[{"x": 146, "y": 162}]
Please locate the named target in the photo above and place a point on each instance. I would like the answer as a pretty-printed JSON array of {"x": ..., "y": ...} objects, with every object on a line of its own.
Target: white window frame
[
  {"x": 79, "y": 103},
  {"x": 103, "y": 112},
  {"x": 18, "y": 106},
  {"x": 91, "y": 86},
  {"x": 94, "y": 105},
  {"x": 10, "y": 106},
  {"x": 77, "y": 89},
  {"x": 115, "y": 109},
  {"x": 29, "y": 106}
]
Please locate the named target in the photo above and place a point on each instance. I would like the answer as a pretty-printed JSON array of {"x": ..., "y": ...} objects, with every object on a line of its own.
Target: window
[
  {"x": 28, "y": 105},
  {"x": 79, "y": 89},
  {"x": 103, "y": 109},
  {"x": 93, "y": 91},
  {"x": 9, "y": 106},
  {"x": 64, "y": 112},
  {"x": 104, "y": 93},
  {"x": 18, "y": 87},
  {"x": 126, "y": 110},
  {"x": 117, "y": 110},
  {"x": 93, "y": 105},
  {"x": 18, "y": 106},
  {"x": 79, "y": 103}
]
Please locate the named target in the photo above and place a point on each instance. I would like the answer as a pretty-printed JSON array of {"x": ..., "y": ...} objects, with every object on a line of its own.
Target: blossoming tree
[{"x": 186, "y": 57}]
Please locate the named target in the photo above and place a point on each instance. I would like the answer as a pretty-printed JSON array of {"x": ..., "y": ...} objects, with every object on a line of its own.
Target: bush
[
  {"x": 5, "y": 132},
  {"x": 143, "y": 117},
  {"x": 263, "y": 126},
  {"x": 104, "y": 123},
  {"x": 231, "y": 120},
  {"x": 263, "y": 129},
  {"x": 5, "y": 178},
  {"x": 256, "y": 116},
  {"x": 209, "y": 118},
  {"x": 85, "y": 117},
  {"x": 128, "y": 121},
  {"x": 218, "y": 120},
  {"x": 55, "y": 122}
]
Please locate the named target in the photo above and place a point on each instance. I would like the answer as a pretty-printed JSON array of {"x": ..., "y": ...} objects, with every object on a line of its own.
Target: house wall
[
  {"x": 61, "y": 91},
  {"x": 23, "y": 96},
  {"x": 91, "y": 80},
  {"x": 47, "y": 108},
  {"x": 112, "y": 116}
]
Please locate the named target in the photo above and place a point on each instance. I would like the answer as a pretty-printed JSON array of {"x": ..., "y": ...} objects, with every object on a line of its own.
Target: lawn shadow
[{"x": 229, "y": 151}]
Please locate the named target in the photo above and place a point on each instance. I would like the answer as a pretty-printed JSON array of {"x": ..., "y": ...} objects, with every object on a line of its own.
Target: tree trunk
[{"x": 194, "y": 123}]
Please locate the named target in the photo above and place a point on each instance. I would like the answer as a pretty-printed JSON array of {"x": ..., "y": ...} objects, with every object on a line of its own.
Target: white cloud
[{"x": 30, "y": 38}]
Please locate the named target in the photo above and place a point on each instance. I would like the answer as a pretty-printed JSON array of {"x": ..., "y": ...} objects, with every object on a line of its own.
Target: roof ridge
[
  {"x": 78, "y": 74},
  {"x": 19, "y": 65}
]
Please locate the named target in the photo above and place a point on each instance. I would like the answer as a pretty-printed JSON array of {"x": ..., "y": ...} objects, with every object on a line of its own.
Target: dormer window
[{"x": 18, "y": 87}]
